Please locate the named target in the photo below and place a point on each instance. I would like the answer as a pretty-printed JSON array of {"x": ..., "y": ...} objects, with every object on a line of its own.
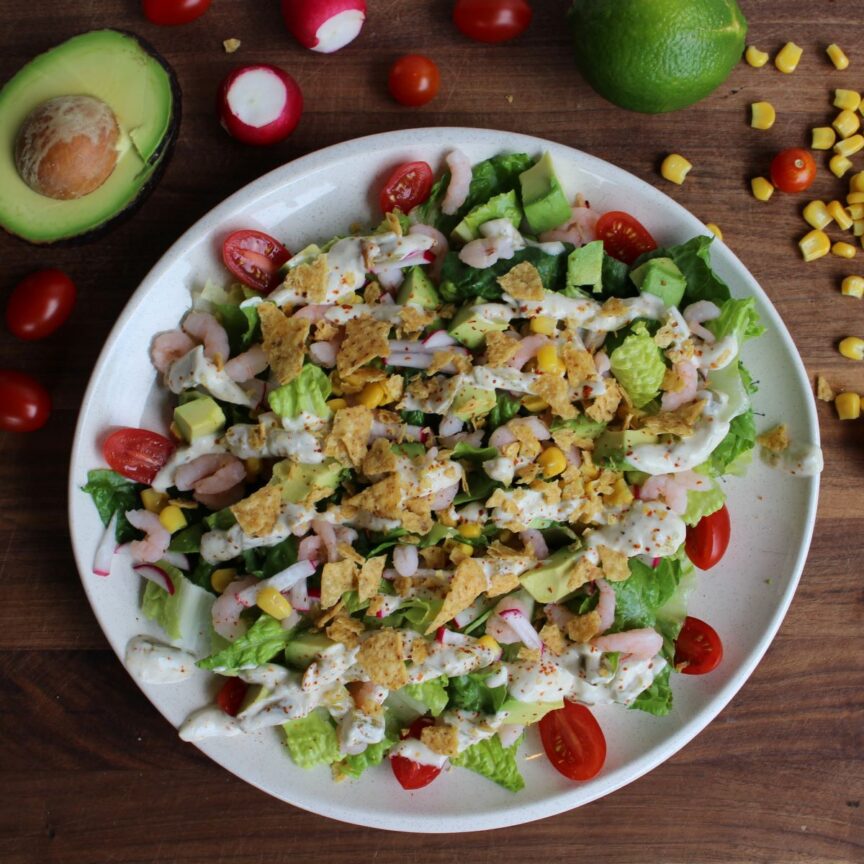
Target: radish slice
[
  {"x": 259, "y": 105},
  {"x": 439, "y": 339},
  {"x": 155, "y": 574},
  {"x": 176, "y": 559},
  {"x": 389, "y": 604},
  {"x": 299, "y": 596},
  {"x": 405, "y": 559},
  {"x": 282, "y": 581},
  {"x": 106, "y": 549},
  {"x": 522, "y": 627},
  {"x": 449, "y": 637},
  {"x": 324, "y": 25}
]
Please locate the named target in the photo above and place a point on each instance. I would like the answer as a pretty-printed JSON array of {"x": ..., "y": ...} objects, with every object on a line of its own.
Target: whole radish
[{"x": 324, "y": 25}]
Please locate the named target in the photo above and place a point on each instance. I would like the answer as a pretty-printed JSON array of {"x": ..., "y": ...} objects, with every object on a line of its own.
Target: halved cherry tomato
[
  {"x": 698, "y": 648},
  {"x": 411, "y": 774},
  {"x": 407, "y": 187},
  {"x": 414, "y": 80},
  {"x": 24, "y": 403},
  {"x": 492, "y": 20},
  {"x": 231, "y": 694},
  {"x": 39, "y": 304},
  {"x": 254, "y": 258},
  {"x": 573, "y": 741},
  {"x": 170, "y": 12},
  {"x": 708, "y": 539},
  {"x": 793, "y": 170},
  {"x": 138, "y": 454},
  {"x": 624, "y": 237}
]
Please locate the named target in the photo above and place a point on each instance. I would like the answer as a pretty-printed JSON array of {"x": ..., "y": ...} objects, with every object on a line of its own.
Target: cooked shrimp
[
  {"x": 328, "y": 537},
  {"x": 675, "y": 399},
  {"x": 247, "y": 365},
  {"x": 605, "y": 605},
  {"x": 168, "y": 347},
  {"x": 155, "y": 544},
  {"x": 188, "y": 474},
  {"x": 667, "y": 487},
  {"x": 578, "y": 230},
  {"x": 205, "y": 328},
  {"x": 220, "y": 500},
  {"x": 439, "y": 248},
  {"x": 528, "y": 348},
  {"x": 601, "y": 362},
  {"x": 696, "y": 313},
  {"x": 230, "y": 472},
  {"x": 460, "y": 182},
  {"x": 641, "y": 644},
  {"x": 227, "y": 609},
  {"x": 310, "y": 548}
]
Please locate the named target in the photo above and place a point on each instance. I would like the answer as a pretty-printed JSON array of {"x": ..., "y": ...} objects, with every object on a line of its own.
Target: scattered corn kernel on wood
[
  {"x": 814, "y": 244},
  {"x": 848, "y": 406},
  {"x": 756, "y": 58},
  {"x": 852, "y": 348},
  {"x": 850, "y": 99},
  {"x": 714, "y": 229},
  {"x": 762, "y": 115},
  {"x": 856, "y": 182},
  {"x": 675, "y": 168},
  {"x": 762, "y": 188},
  {"x": 849, "y": 146},
  {"x": 788, "y": 57},
  {"x": 843, "y": 250},
  {"x": 837, "y": 56},
  {"x": 853, "y": 286},
  {"x": 846, "y": 123},
  {"x": 822, "y": 138},
  {"x": 816, "y": 215},
  {"x": 839, "y": 165}
]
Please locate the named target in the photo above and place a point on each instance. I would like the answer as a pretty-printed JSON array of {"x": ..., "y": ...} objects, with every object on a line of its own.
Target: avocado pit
[{"x": 67, "y": 146}]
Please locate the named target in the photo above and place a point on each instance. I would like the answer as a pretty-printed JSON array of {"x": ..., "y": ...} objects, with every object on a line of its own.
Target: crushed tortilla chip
[
  {"x": 614, "y": 563},
  {"x": 461, "y": 362},
  {"x": 393, "y": 389},
  {"x": 419, "y": 650},
  {"x": 673, "y": 381},
  {"x": 349, "y": 552},
  {"x": 283, "y": 341},
  {"x": 500, "y": 348},
  {"x": 502, "y": 582},
  {"x": 553, "y": 638},
  {"x": 583, "y": 572},
  {"x": 230, "y": 45},
  {"x": 417, "y": 523},
  {"x": 528, "y": 473},
  {"x": 381, "y": 498},
  {"x": 376, "y": 606},
  {"x": 620, "y": 496},
  {"x": 583, "y": 628},
  {"x": 257, "y": 514},
  {"x": 614, "y": 307},
  {"x": 347, "y": 440},
  {"x": 371, "y": 293},
  {"x": 775, "y": 440},
  {"x": 549, "y": 490},
  {"x": 380, "y": 657},
  {"x": 324, "y": 331},
  {"x": 670, "y": 333},
  {"x": 309, "y": 279},
  {"x": 579, "y": 364},
  {"x": 467, "y": 585},
  {"x": 336, "y": 578},
  {"x": 443, "y": 739},
  {"x": 523, "y": 282},
  {"x": 603, "y": 408},
  {"x": 326, "y": 617},
  {"x": 414, "y": 319},
  {"x": 678, "y": 422},
  {"x": 554, "y": 390},
  {"x": 529, "y": 655},
  {"x": 824, "y": 391},
  {"x": 529, "y": 445},
  {"x": 344, "y": 629},
  {"x": 434, "y": 557},
  {"x": 369, "y": 577},
  {"x": 380, "y": 459},
  {"x": 365, "y": 339}
]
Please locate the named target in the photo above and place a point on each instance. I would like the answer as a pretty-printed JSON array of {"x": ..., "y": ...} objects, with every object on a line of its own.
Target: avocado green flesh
[
  {"x": 199, "y": 417},
  {"x": 117, "y": 69},
  {"x": 662, "y": 278},
  {"x": 304, "y": 648},
  {"x": 545, "y": 204},
  {"x": 470, "y": 329},
  {"x": 548, "y": 582},
  {"x": 526, "y": 713},
  {"x": 418, "y": 288}
]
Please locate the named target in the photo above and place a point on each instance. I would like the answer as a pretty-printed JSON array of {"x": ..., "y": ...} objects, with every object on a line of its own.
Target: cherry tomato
[
  {"x": 414, "y": 80},
  {"x": 137, "y": 453},
  {"x": 411, "y": 774},
  {"x": 698, "y": 648},
  {"x": 624, "y": 237},
  {"x": 407, "y": 187},
  {"x": 231, "y": 694},
  {"x": 24, "y": 403},
  {"x": 39, "y": 304},
  {"x": 254, "y": 258},
  {"x": 708, "y": 539},
  {"x": 170, "y": 12},
  {"x": 573, "y": 741},
  {"x": 793, "y": 170},
  {"x": 492, "y": 20}
]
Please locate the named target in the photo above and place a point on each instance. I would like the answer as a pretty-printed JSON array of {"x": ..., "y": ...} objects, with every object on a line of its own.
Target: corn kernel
[
  {"x": 253, "y": 466},
  {"x": 762, "y": 115},
  {"x": 838, "y": 58},
  {"x": 840, "y": 216},
  {"x": 152, "y": 500},
  {"x": 183, "y": 503},
  {"x": 843, "y": 250},
  {"x": 372, "y": 395},
  {"x": 553, "y": 462},
  {"x": 856, "y": 182},
  {"x": 788, "y": 57},
  {"x": 849, "y": 146},
  {"x": 848, "y": 406},
  {"x": 470, "y": 530},
  {"x": 337, "y": 404},
  {"x": 847, "y": 99},
  {"x": 756, "y": 58},
  {"x": 852, "y": 348},
  {"x": 548, "y": 360},
  {"x": 172, "y": 518},
  {"x": 855, "y": 198},
  {"x": 858, "y": 229},
  {"x": 846, "y": 123},
  {"x": 466, "y": 550},
  {"x": 762, "y": 188},
  {"x": 675, "y": 168},
  {"x": 839, "y": 165},
  {"x": 816, "y": 215},
  {"x": 269, "y": 600},
  {"x": 487, "y": 642},
  {"x": 814, "y": 245},
  {"x": 534, "y": 404},
  {"x": 222, "y": 577},
  {"x": 853, "y": 286},
  {"x": 543, "y": 324},
  {"x": 856, "y": 211},
  {"x": 822, "y": 138}
]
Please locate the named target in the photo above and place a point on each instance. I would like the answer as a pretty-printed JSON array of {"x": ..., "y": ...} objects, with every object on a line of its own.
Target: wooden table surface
[{"x": 90, "y": 772}]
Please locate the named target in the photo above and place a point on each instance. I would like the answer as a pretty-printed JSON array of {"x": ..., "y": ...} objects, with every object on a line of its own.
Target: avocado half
[{"x": 137, "y": 84}]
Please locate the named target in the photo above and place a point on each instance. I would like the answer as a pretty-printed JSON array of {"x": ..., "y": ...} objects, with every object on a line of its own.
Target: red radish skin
[
  {"x": 324, "y": 25},
  {"x": 259, "y": 105}
]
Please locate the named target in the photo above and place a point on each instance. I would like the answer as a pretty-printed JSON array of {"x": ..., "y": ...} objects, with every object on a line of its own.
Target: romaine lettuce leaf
[
  {"x": 657, "y": 699},
  {"x": 738, "y": 317},
  {"x": 506, "y": 408},
  {"x": 703, "y": 503},
  {"x": 471, "y": 693},
  {"x": 113, "y": 493},
  {"x": 474, "y": 454},
  {"x": 308, "y": 392},
  {"x": 312, "y": 740},
  {"x": 733, "y": 453},
  {"x": 241, "y": 324},
  {"x": 260, "y": 644},
  {"x": 638, "y": 598},
  {"x": 181, "y": 614},
  {"x": 638, "y": 365},
  {"x": 433, "y": 694},
  {"x": 354, "y": 766},
  {"x": 491, "y": 759}
]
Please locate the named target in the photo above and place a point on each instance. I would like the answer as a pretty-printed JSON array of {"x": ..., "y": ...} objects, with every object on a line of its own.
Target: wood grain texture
[{"x": 89, "y": 771}]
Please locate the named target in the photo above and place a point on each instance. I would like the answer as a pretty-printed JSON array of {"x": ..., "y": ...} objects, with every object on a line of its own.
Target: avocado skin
[{"x": 160, "y": 158}]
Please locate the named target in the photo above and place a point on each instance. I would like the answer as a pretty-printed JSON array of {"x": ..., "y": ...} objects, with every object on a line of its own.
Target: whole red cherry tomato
[
  {"x": 24, "y": 403},
  {"x": 171, "y": 12},
  {"x": 39, "y": 304},
  {"x": 492, "y": 20},
  {"x": 414, "y": 80},
  {"x": 793, "y": 170}
]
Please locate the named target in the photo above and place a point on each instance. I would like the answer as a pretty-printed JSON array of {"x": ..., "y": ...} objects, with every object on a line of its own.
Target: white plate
[{"x": 745, "y": 597}]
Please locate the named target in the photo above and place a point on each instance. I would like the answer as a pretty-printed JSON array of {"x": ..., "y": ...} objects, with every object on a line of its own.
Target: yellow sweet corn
[
  {"x": 852, "y": 348},
  {"x": 543, "y": 324},
  {"x": 675, "y": 168},
  {"x": 553, "y": 462},
  {"x": 847, "y": 99},
  {"x": 848, "y": 406},
  {"x": 816, "y": 215},
  {"x": 839, "y": 165},
  {"x": 548, "y": 360},
  {"x": 253, "y": 466},
  {"x": 152, "y": 500},
  {"x": 372, "y": 395},
  {"x": 838, "y": 57},
  {"x": 853, "y": 286},
  {"x": 172, "y": 518},
  {"x": 856, "y": 211},
  {"x": 489, "y": 643},
  {"x": 534, "y": 404},
  {"x": 846, "y": 123},
  {"x": 221, "y": 578},
  {"x": 822, "y": 138},
  {"x": 840, "y": 216},
  {"x": 465, "y": 549},
  {"x": 714, "y": 229},
  {"x": 855, "y": 198},
  {"x": 814, "y": 245},
  {"x": 843, "y": 250},
  {"x": 849, "y": 146},
  {"x": 788, "y": 57},
  {"x": 470, "y": 530},
  {"x": 762, "y": 188},
  {"x": 858, "y": 229},
  {"x": 269, "y": 600},
  {"x": 762, "y": 115},
  {"x": 336, "y": 404},
  {"x": 856, "y": 182},
  {"x": 756, "y": 58}
]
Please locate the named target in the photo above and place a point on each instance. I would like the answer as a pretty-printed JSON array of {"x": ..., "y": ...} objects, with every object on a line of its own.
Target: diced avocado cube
[
  {"x": 472, "y": 401},
  {"x": 305, "y": 647},
  {"x": 411, "y": 449},
  {"x": 548, "y": 582},
  {"x": 585, "y": 266},
  {"x": 256, "y": 693},
  {"x": 661, "y": 277},
  {"x": 418, "y": 289},
  {"x": 526, "y": 713},
  {"x": 616, "y": 442},
  {"x": 297, "y": 480},
  {"x": 199, "y": 417},
  {"x": 470, "y": 328},
  {"x": 546, "y": 206},
  {"x": 503, "y": 206}
]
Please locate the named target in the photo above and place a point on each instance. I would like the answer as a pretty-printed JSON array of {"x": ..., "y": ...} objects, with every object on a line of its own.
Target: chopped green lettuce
[
  {"x": 308, "y": 392},
  {"x": 354, "y": 766},
  {"x": 474, "y": 454},
  {"x": 638, "y": 365},
  {"x": 657, "y": 699},
  {"x": 694, "y": 261},
  {"x": 737, "y": 317},
  {"x": 703, "y": 503},
  {"x": 506, "y": 408},
  {"x": 183, "y": 614},
  {"x": 113, "y": 493},
  {"x": 733, "y": 453},
  {"x": 241, "y": 324},
  {"x": 472, "y": 693},
  {"x": 260, "y": 644},
  {"x": 491, "y": 759},
  {"x": 433, "y": 694},
  {"x": 638, "y": 599},
  {"x": 312, "y": 740}
]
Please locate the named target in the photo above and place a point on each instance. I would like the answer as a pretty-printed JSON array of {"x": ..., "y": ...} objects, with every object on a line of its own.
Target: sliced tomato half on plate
[
  {"x": 254, "y": 258},
  {"x": 624, "y": 237}
]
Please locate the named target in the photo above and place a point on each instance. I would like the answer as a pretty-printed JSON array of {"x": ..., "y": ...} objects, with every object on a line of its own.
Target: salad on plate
[{"x": 431, "y": 483}]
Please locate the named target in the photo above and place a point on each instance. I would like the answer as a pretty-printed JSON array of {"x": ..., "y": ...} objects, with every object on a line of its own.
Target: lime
[{"x": 656, "y": 55}]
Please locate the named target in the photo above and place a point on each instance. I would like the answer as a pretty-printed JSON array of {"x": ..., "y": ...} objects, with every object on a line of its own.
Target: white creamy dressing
[
  {"x": 329, "y": 667},
  {"x": 539, "y": 681},
  {"x": 449, "y": 660},
  {"x": 195, "y": 370},
  {"x": 419, "y": 482},
  {"x": 297, "y": 438},
  {"x": 202, "y": 446},
  {"x": 155, "y": 662},
  {"x": 504, "y": 468},
  {"x": 512, "y": 565},
  {"x": 647, "y": 528},
  {"x": 531, "y": 505},
  {"x": 710, "y": 357},
  {"x": 209, "y": 722},
  {"x": 391, "y": 312},
  {"x": 587, "y": 313},
  {"x": 417, "y": 751},
  {"x": 357, "y": 730},
  {"x": 803, "y": 461}
]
